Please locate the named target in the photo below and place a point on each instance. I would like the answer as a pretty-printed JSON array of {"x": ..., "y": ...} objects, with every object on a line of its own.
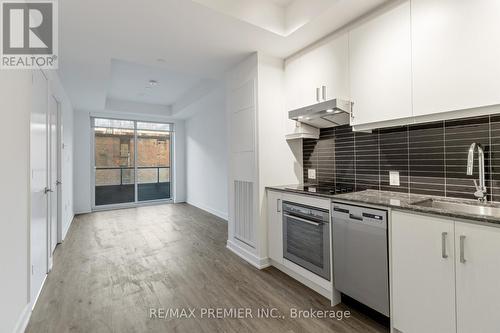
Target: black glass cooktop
[{"x": 324, "y": 188}]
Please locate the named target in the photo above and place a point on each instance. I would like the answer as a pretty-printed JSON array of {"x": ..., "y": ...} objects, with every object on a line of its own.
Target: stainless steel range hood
[{"x": 329, "y": 113}]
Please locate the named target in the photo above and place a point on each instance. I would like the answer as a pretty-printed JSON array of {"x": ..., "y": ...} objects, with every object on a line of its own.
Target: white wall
[
  {"x": 83, "y": 150},
  {"x": 179, "y": 191},
  {"x": 15, "y": 106},
  {"x": 206, "y": 154},
  {"x": 81, "y": 167}
]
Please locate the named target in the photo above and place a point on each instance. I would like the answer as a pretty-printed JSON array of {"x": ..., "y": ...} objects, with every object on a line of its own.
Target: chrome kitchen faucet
[{"x": 481, "y": 191}]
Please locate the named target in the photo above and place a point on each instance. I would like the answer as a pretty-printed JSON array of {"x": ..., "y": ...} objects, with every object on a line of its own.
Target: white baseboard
[
  {"x": 80, "y": 212},
  {"x": 215, "y": 212},
  {"x": 251, "y": 258},
  {"x": 23, "y": 320},
  {"x": 33, "y": 302}
]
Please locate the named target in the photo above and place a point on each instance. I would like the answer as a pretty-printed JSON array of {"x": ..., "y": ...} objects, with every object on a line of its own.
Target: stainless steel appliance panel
[
  {"x": 360, "y": 255},
  {"x": 306, "y": 238}
]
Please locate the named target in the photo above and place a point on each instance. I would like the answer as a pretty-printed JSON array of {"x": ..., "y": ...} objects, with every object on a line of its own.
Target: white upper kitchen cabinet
[
  {"x": 423, "y": 274},
  {"x": 380, "y": 67},
  {"x": 317, "y": 74},
  {"x": 333, "y": 62},
  {"x": 477, "y": 250},
  {"x": 456, "y": 52}
]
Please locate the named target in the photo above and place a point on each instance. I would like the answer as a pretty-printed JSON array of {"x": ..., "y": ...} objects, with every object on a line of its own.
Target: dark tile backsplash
[{"x": 430, "y": 158}]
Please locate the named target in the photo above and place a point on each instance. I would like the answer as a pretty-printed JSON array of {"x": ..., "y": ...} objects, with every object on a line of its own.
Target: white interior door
[
  {"x": 39, "y": 184},
  {"x": 53, "y": 173}
]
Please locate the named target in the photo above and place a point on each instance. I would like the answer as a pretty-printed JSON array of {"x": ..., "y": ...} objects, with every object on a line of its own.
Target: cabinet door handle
[
  {"x": 462, "y": 249},
  {"x": 317, "y": 94},
  {"x": 323, "y": 92},
  {"x": 278, "y": 205},
  {"x": 443, "y": 245}
]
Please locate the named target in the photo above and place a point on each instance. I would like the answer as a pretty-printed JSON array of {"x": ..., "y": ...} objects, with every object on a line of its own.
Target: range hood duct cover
[{"x": 331, "y": 113}]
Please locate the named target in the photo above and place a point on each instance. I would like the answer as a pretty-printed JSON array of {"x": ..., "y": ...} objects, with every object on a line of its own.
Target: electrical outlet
[
  {"x": 311, "y": 173},
  {"x": 394, "y": 178}
]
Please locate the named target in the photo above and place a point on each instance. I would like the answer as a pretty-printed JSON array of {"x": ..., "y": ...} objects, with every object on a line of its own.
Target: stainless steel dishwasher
[{"x": 360, "y": 256}]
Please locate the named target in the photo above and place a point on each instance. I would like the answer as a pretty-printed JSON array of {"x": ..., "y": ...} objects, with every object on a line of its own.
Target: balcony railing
[
  {"x": 116, "y": 185},
  {"x": 107, "y": 176}
]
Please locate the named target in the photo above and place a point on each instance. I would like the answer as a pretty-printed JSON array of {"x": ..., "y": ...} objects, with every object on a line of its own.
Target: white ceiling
[
  {"x": 282, "y": 3},
  {"x": 277, "y": 16},
  {"x": 195, "y": 43},
  {"x": 130, "y": 82}
]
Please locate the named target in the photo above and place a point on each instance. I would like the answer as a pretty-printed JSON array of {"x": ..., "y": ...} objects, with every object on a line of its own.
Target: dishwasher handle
[{"x": 354, "y": 217}]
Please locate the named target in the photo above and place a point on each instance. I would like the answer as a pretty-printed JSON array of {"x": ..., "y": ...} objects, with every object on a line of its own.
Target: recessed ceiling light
[
  {"x": 152, "y": 83},
  {"x": 329, "y": 110}
]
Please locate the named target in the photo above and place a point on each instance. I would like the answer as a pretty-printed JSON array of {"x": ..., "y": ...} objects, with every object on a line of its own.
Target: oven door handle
[{"x": 302, "y": 220}]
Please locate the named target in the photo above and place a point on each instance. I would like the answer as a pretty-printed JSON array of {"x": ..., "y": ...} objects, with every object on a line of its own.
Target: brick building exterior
[{"x": 116, "y": 150}]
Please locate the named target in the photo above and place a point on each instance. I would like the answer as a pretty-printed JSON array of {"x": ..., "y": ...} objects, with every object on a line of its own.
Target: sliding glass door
[
  {"x": 153, "y": 161},
  {"x": 132, "y": 161}
]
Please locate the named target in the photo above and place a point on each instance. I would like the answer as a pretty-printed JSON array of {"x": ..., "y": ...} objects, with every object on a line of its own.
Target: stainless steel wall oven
[{"x": 306, "y": 237}]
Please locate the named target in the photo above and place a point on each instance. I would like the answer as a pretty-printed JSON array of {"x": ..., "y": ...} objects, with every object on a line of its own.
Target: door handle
[
  {"x": 47, "y": 190},
  {"x": 462, "y": 249},
  {"x": 302, "y": 220},
  {"x": 444, "y": 255},
  {"x": 58, "y": 182}
]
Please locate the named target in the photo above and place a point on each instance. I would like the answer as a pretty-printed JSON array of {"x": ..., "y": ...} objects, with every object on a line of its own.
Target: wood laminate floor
[{"x": 115, "y": 266}]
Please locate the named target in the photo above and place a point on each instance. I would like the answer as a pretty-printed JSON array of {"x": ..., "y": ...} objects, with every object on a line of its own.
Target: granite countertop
[{"x": 402, "y": 201}]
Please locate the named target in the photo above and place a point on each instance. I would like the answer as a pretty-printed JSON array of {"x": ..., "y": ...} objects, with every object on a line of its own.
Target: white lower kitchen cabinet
[
  {"x": 274, "y": 226},
  {"x": 477, "y": 248},
  {"x": 423, "y": 288},
  {"x": 444, "y": 275}
]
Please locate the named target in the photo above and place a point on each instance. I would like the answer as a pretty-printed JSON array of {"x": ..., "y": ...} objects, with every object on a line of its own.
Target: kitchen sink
[{"x": 475, "y": 208}]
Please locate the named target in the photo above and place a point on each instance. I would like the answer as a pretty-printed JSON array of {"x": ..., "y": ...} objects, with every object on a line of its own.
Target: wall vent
[{"x": 244, "y": 229}]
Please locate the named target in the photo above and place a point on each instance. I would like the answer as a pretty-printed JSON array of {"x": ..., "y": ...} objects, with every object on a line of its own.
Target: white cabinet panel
[
  {"x": 301, "y": 81},
  {"x": 274, "y": 226},
  {"x": 423, "y": 282},
  {"x": 380, "y": 67},
  {"x": 333, "y": 60},
  {"x": 244, "y": 96},
  {"x": 456, "y": 52},
  {"x": 325, "y": 65},
  {"x": 243, "y": 131},
  {"x": 478, "y": 291}
]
